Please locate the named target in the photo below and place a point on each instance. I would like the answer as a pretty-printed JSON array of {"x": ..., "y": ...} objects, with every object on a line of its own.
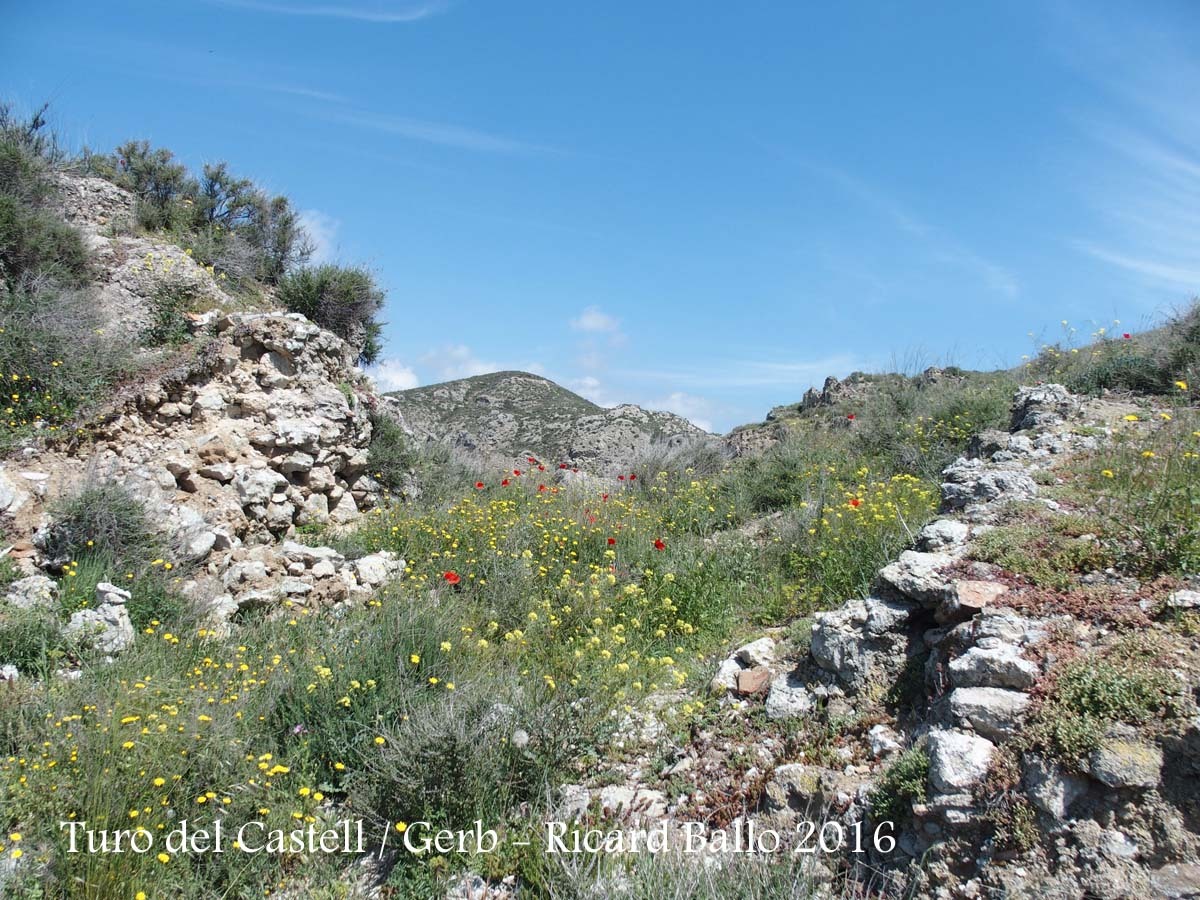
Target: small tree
[
  {"x": 157, "y": 178},
  {"x": 344, "y": 300}
]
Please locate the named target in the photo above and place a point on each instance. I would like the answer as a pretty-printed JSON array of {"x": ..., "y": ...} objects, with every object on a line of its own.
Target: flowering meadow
[{"x": 532, "y": 615}]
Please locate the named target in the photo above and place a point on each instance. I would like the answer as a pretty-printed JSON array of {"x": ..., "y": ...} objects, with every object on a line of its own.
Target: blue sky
[{"x": 698, "y": 206}]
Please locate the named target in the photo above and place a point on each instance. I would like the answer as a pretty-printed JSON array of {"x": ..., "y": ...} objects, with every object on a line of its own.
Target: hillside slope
[{"x": 516, "y": 415}]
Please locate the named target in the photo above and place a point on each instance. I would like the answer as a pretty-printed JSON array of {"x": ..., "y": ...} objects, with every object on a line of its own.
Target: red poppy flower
[
  {"x": 541, "y": 487},
  {"x": 850, "y": 416},
  {"x": 611, "y": 541},
  {"x": 451, "y": 577},
  {"x": 633, "y": 478},
  {"x": 504, "y": 483},
  {"x": 517, "y": 472},
  {"x": 855, "y": 502},
  {"x": 541, "y": 468},
  {"x": 659, "y": 545},
  {"x": 1127, "y": 336},
  {"x": 575, "y": 470},
  {"x": 620, "y": 478},
  {"x": 603, "y": 497},
  {"x": 530, "y": 460},
  {"x": 562, "y": 465},
  {"x": 479, "y": 485}
]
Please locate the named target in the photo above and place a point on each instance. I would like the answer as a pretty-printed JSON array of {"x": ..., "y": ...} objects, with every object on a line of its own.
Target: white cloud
[
  {"x": 591, "y": 388},
  {"x": 323, "y": 229},
  {"x": 458, "y": 361},
  {"x": 594, "y": 320},
  {"x": 696, "y": 410},
  {"x": 381, "y": 12},
  {"x": 393, "y": 375}
]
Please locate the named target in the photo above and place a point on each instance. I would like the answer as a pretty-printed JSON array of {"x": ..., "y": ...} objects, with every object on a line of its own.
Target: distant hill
[{"x": 514, "y": 415}]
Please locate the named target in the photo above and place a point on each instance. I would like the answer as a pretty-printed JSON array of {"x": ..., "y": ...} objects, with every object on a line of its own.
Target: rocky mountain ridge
[{"x": 507, "y": 417}]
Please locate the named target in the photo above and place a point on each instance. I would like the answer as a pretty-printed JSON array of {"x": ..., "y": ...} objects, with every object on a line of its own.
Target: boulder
[
  {"x": 107, "y": 629},
  {"x": 958, "y": 760},
  {"x": 34, "y": 591},
  {"x": 756, "y": 653},
  {"x": 918, "y": 576},
  {"x": 788, "y": 698},
  {"x": 1121, "y": 763},
  {"x": 1052, "y": 789},
  {"x": 995, "y": 713},
  {"x": 1001, "y": 667},
  {"x": 968, "y": 598},
  {"x": 753, "y": 681},
  {"x": 1041, "y": 406},
  {"x": 256, "y": 486},
  {"x": 725, "y": 678},
  {"x": 111, "y": 595},
  {"x": 942, "y": 535}
]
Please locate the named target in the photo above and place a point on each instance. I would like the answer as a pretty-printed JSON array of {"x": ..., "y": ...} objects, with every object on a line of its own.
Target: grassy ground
[{"x": 528, "y": 621}]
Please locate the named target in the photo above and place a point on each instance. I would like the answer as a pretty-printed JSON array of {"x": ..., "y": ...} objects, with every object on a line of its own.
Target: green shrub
[
  {"x": 160, "y": 182},
  {"x": 391, "y": 457},
  {"x": 1086, "y": 696},
  {"x": 169, "y": 323},
  {"x": 102, "y": 520},
  {"x": 34, "y": 245},
  {"x": 29, "y": 639},
  {"x": 52, "y": 339},
  {"x": 343, "y": 300},
  {"x": 903, "y": 784}
]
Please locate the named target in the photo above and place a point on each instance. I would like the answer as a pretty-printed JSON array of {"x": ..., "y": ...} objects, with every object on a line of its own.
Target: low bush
[
  {"x": 30, "y": 639},
  {"x": 1126, "y": 683},
  {"x": 391, "y": 456},
  {"x": 903, "y": 784},
  {"x": 341, "y": 299},
  {"x": 56, "y": 358},
  {"x": 103, "y": 520}
]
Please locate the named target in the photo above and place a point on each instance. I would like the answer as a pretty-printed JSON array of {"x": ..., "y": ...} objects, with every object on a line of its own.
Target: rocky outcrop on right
[{"x": 956, "y": 670}]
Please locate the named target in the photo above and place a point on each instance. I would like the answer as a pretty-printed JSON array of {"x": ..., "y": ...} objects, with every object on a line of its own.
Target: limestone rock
[
  {"x": 757, "y": 653},
  {"x": 788, "y": 698},
  {"x": 107, "y": 629},
  {"x": 942, "y": 535},
  {"x": 1042, "y": 406},
  {"x": 995, "y": 713},
  {"x": 958, "y": 760},
  {"x": 918, "y": 576},
  {"x": 1001, "y": 667},
  {"x": 1052, "y": 789},
  {"x": 725, "y": 678},
  {"x": 33, "y": 591},
  {"x": 1123, "y": 763}
]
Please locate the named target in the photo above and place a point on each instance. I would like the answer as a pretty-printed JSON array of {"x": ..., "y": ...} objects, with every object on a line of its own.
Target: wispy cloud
[
  {"x": 726, "y": 374},
  {"x": 1142, "y": 180},
  {"x": 381, "y": 11},
  {"x": 940, "y": 246},
  {"x": 441, "y": 133}
]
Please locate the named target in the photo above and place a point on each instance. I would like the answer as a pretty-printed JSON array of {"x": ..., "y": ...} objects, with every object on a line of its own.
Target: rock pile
[{"x": 940, "y": 620}]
